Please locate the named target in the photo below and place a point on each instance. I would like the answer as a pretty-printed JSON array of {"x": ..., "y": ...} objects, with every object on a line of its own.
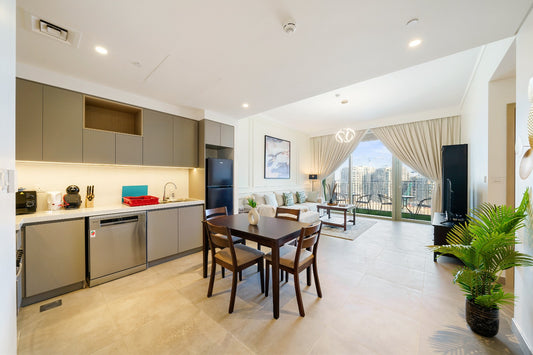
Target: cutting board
[{"x": 134, "y": 191}]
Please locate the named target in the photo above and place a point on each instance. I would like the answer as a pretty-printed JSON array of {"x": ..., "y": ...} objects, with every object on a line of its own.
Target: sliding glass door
[{"x": 378, "y": 184}]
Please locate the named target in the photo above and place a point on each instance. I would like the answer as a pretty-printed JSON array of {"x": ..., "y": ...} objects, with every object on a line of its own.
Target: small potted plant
[
  {"x": 253, "y": 215},
  {"x": 486, "y": 246}
]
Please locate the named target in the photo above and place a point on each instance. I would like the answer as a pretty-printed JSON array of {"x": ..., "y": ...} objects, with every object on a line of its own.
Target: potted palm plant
[{"x": 486, "y": 246}]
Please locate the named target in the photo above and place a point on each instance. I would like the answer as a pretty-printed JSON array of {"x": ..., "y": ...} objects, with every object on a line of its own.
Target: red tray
[{"x": 141, "y": 200}]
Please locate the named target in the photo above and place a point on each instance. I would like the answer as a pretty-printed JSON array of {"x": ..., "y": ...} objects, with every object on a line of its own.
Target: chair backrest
[
  {"x": 288, "y": 213},
  {"x": 363, "y": 199},
  {"x": 309, "y": 237},
  {"x": 384, "y": 198},
  {"x": 215, "y": 212},
  {"x": 220, "y": 237}
]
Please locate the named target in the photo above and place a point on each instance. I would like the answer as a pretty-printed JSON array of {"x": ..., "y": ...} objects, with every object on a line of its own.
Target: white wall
[
  {"x": 8, "y": 323},
  {"x": 501, "y": 93},
  {"x": 107, "y": 180},
  {"x": 249, "y": 156},
  {"x": 475, "y": 120},
  {"x": 523, "y": 313}
]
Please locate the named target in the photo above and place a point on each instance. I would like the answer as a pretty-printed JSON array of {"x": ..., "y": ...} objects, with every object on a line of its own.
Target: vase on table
[{"x": 253, "y": 216}]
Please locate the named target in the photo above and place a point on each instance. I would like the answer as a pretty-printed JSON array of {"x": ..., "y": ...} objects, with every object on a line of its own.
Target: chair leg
[
  {"x": 298, "y": 293},
  {"x": 211, "y": 279},
  {"x": 317, "y": 283},
  {"x": 223, "y": 272},
  {"x": 240, "y": 275},
  {"x": 233, "y": 292},
  {"x": 267, "y": 276},
  {"x": 262, "y": 275},
  {"x": 281, "y": 275},
  {"x": 309, "y": 276},
  {"x": 258, "y": 248}
]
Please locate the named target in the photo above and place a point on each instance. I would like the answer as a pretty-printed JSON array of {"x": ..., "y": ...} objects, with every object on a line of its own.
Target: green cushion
[
  {"x": 288, "y": 199},
  {"x": 301, "y": 196}
]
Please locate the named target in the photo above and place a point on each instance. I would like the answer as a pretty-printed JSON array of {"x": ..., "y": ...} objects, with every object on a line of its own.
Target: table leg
[
  {"x": 345, "y": 220},
  {"x": 275, "y": 280},
  {"x": 353, "y": 212}
]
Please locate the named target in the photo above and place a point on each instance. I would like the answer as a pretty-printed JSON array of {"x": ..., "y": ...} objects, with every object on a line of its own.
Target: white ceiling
[{"x": 215, "y": 55}]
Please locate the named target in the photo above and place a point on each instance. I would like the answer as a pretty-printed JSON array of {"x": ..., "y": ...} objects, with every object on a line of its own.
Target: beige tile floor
[{"x": 383, "y": 294}]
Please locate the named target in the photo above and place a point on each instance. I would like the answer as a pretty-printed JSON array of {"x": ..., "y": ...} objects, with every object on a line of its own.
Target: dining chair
[
  {"x": 425, "y": 203},
  {"x": 218, "y": 212},
  {"x": 234, "y": 257},
  {"x": 295, "y": 259},
  {"x": 288, "y": 213}
]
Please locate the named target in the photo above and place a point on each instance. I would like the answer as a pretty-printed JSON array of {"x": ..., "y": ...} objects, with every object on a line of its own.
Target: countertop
[{"x": 47, "y": 216}]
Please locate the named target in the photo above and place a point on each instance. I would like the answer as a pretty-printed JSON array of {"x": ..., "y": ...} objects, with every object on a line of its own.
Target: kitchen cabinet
[
  {"x": 98, "y": 147},
  {"x": 185, "y": 142},
  {"x": 190, "y": 227},
  {"x": 129, "y": 149},
  {"x": 158, "y": 132},
  {"x": 218, "y": 134},
  {"x": 54, "y": 256},
  {"x": 29, "y": 122},
  {"x": 62, "y": 125},
  {"x": 174, "y": 230},
  {"x": 162, "y": 233}
]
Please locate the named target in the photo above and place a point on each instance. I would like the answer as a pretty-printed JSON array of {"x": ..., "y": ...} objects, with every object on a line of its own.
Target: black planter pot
[{"x": 483, "y": 321}]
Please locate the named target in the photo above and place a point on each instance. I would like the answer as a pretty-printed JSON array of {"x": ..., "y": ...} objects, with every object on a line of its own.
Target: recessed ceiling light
[
  {"x": 245, "y": 105},
  {"x": 415, "y": 42},
  {"x": 100, "y": 50}
]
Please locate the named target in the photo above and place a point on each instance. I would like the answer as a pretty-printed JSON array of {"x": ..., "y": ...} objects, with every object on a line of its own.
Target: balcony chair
[
  {"x": 423, "y": 203},
  {"x": 234, "y": 257},
  {"x": 295, "y": 259},
  {"x": 363, "y": 200},
  {"x": 384, "y": 200}
]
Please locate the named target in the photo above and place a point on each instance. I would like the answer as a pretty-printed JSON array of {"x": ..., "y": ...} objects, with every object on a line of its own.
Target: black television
[{"x": 454, "y": 181}]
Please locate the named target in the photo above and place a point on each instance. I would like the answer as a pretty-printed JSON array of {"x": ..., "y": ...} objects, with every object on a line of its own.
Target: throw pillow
[
  {"x": 288, "y": 199},
  {"x": 271, "y": 200},
  {"x": 259, "y": 199},
  {"x": 301, "y": 196},
  {"x": 312, "y": 196},
  {"x": 279, "y": 198}
]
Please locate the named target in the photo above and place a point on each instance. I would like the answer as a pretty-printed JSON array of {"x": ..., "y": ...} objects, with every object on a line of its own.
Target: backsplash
[{"x": 107, "y": 180}]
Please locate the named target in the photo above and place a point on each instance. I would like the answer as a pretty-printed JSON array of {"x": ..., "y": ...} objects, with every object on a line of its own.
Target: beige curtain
[
  {"x": 418, "y": 144},
  {"x": 328, "y": 154}
]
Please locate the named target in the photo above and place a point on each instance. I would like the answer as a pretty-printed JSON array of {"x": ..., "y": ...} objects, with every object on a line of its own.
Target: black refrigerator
[{"x": 219, "y": 183}]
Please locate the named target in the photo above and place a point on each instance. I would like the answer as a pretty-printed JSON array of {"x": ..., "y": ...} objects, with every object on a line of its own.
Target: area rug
[{"x": 352, "y": 231}]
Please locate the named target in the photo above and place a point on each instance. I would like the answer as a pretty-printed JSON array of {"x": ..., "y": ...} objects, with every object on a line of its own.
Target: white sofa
[{"x": 308, "y": 212}]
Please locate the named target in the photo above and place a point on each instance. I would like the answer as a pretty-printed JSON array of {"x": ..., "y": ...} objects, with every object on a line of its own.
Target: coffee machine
[{"x": 72, "y": 199}]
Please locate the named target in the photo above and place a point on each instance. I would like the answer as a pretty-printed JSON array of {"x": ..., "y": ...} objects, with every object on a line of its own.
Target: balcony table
[{"x": 271, "y": 232}]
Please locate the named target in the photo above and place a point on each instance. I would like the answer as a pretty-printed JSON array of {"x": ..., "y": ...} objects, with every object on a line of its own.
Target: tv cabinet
[{"x": 440, "y": 230}]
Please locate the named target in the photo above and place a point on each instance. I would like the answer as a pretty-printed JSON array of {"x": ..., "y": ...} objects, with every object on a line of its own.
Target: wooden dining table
[{"x": 271, "y": 232}]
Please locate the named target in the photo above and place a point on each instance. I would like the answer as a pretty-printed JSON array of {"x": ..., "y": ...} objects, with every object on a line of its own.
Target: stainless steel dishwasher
[{"x": 116, "y": 246}]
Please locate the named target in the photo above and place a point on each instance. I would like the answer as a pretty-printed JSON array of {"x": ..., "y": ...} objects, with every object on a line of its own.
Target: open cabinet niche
[{"x": 111, "y": 116}]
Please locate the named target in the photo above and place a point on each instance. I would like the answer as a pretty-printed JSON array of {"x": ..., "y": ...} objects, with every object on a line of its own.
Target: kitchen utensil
[{"x": 89, "y": 198}]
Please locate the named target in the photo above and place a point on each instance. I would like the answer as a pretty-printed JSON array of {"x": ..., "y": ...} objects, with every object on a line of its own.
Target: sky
[{"x": 372, "y": 153}]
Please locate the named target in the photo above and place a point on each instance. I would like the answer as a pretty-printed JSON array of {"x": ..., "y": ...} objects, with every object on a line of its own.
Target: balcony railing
[{"x": 375, "y": 197}]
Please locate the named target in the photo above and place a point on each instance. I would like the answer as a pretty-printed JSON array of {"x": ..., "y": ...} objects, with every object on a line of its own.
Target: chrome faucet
[{"x": 165, "y": 190}]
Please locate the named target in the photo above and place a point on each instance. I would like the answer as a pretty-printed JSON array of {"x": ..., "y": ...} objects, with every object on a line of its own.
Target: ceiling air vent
[{"x": 52, "y": 30}]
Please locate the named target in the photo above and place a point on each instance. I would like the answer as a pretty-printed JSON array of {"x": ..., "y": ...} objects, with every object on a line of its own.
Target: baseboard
[{"x": 524, "y": 346}]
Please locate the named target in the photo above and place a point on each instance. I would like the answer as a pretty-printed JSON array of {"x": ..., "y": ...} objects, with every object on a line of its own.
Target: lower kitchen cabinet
[
  {"x": 174, "y": 230},
  {"x": 54, "y": 258},
  {"x": 162, "y": 233},
  {"x": 190, "y": 227}
]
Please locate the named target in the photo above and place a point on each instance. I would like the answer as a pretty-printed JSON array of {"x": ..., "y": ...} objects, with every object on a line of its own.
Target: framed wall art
[{"x": 277, "y": 158}]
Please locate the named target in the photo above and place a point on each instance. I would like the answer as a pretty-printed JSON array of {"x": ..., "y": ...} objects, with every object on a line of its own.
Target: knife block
[{"x": 89, "y": 204}]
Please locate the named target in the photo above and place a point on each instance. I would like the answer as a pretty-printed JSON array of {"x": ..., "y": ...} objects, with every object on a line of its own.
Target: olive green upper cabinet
[
  {"x": 158, "y": 135},
  {"x": 29, "y": 120},
  {"x": 218, "y": 134},
  {"x": 62, "y": 125},
  {"x": 185, "y": 142}
]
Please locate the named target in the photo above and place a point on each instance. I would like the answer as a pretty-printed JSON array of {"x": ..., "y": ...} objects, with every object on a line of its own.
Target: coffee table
[{"x": 343, "y": 208}]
